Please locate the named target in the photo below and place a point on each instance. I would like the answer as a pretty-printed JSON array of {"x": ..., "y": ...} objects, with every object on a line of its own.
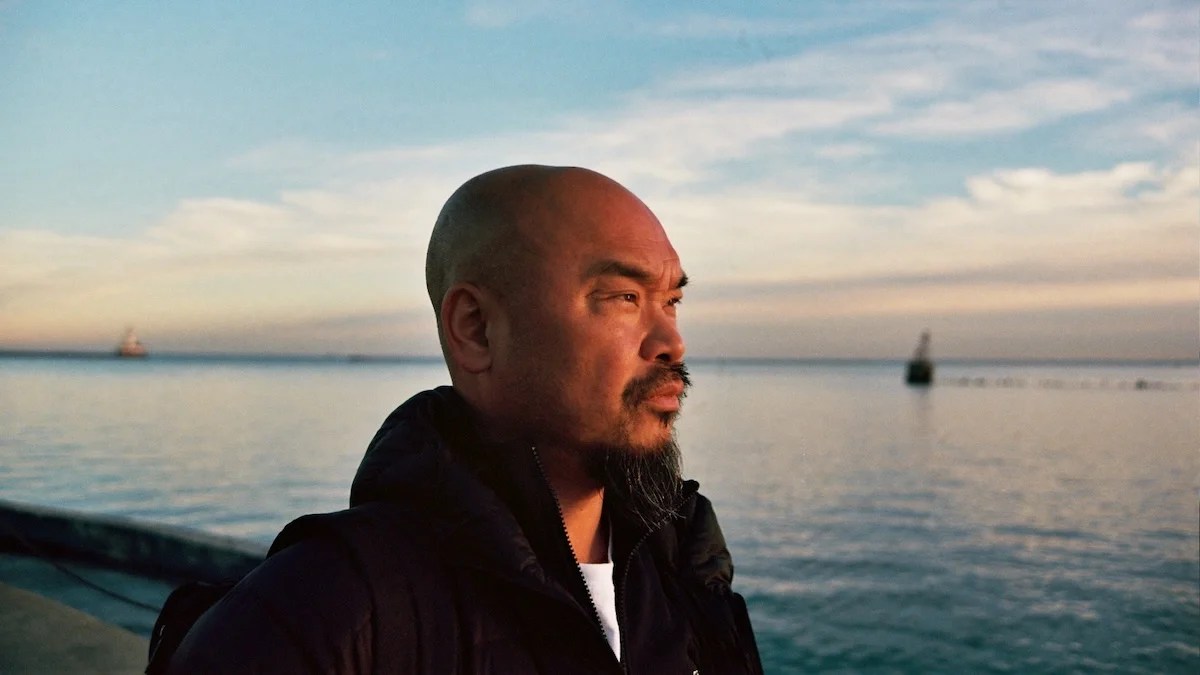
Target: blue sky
[{"x": 1020, "y": 177}]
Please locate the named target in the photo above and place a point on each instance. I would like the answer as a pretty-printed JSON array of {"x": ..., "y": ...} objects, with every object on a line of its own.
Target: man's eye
[
  {"x": 674, "y": 301},
  {"x": 629, "y": 297}
]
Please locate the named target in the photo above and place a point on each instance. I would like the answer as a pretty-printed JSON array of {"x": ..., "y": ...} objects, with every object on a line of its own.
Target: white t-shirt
[{"x": 599, "y": 578}]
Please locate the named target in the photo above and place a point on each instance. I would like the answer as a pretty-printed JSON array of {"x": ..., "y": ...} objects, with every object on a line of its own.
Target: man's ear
[{"x": 465, "y": 319}]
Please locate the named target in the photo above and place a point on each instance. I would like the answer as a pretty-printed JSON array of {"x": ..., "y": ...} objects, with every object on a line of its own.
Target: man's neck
[{"x": 581, "y": 499}]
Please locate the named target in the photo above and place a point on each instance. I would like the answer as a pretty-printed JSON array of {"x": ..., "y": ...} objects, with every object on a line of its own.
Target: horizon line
[{"x": 352, "y": 357}]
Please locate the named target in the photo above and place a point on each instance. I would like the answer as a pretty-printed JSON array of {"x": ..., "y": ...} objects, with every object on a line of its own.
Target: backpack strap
[{"x": 181, "y": 610}]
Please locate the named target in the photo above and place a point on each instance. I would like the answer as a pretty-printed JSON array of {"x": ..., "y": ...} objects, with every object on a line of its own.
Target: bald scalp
[{"x": 483, "y": 234}]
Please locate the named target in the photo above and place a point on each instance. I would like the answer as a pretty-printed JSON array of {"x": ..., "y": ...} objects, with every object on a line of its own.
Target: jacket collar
[
  {"x": 489, "y": 506},
  {"x": 485, "y": 504}
]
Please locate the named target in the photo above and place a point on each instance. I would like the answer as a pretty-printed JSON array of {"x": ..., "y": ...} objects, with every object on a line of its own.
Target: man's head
[{"x": 556, "y": 293}]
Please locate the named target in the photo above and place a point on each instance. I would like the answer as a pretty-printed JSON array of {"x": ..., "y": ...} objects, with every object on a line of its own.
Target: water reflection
[
  {"x": 875, "y": 527},
  {"x": 967, "y": 516}
]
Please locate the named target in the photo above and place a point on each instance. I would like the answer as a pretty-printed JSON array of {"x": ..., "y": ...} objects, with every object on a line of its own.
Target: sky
[{"x": 1021, "y": 178}]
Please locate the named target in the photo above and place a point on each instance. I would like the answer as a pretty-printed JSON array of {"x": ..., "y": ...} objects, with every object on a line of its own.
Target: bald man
[{"x": 531, "y": 517}]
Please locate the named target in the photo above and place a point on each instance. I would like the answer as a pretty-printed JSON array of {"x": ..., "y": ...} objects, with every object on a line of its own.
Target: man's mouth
[
  {"x": 662, "y": 390},
  {"x": 666, "y": 398}
]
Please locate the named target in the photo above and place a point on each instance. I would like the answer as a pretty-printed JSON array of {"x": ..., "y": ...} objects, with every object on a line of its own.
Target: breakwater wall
[{"x": 163, "y": 551}]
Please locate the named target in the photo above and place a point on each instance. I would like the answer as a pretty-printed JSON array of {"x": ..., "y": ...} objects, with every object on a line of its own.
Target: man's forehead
[{"x": 593, "y": 237}]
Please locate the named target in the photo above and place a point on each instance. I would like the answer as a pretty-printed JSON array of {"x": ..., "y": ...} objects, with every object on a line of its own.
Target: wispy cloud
[
  {"x": 748, "y": 166},
  {"x": 846, "y": 151},
  {"x": 716, "y": 26},
  {"x": 1019, "y": 108},
  {"x": 1027, "y": 238},
  {"x": 976, "y": 72}
]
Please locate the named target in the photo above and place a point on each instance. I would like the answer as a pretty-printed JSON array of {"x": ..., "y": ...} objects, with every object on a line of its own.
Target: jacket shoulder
[
  {"x": 304, "y": 609},
  {"x": 314, "y": 605},
  {"x": 704, "y": 553},
  {"x": 720, "y": 616}
]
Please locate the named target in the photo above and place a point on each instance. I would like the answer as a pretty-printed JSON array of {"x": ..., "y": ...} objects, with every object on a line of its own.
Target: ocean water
[{"x": 1027, "y": 519}]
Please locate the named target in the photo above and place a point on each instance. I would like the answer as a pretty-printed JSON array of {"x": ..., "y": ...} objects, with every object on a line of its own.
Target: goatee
[{"x": 643, "y": 482}]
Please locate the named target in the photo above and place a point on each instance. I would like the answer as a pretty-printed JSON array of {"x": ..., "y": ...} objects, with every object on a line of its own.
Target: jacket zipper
[
  {"x": 620, "y": 590},
  {"x": 562, "y": 524}
]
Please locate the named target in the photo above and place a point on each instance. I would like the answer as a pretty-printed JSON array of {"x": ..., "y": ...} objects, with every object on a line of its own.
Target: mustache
[{"x": 663, "y": 374}]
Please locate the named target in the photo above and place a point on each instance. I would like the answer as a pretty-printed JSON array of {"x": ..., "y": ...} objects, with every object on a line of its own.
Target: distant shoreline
[{"x": 402, "y": 358}]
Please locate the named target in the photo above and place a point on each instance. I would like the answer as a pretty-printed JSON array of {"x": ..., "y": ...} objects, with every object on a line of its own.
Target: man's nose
[{"x": 663, "y": 342}]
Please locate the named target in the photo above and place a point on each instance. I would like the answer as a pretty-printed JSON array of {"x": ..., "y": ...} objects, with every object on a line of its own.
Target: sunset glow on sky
[{"x": 1021, "y": 178}]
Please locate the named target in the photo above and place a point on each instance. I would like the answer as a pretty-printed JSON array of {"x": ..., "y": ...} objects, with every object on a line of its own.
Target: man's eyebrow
[{"x": 621, "y": 269}]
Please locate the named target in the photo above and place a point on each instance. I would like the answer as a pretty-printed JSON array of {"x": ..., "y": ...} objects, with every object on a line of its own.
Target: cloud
[
  {"x": 1019, "y": 108},
  {"x": 846, "y": 151},
  {"x": 1040, "y": 190},
  {"x": 976, "y": 72},
  {"x": 1024, "y": 239},
  {"x": 1150, "y": 129},
  {"x": 212, "y": 262},
  {"x": 960, "y": 300},
  {"x": 968, "y": 73},
  {"x": 1155, "y": 332},
  {"x": 713, "y": 26},
  {"x": 752, "y": 168},
  {"x": 411, "y": 331},
  {"x": 1171, "y": 126}
]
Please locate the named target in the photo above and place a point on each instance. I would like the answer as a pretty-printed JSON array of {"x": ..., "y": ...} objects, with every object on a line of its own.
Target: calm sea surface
[{"x": 1008, "y": 519}]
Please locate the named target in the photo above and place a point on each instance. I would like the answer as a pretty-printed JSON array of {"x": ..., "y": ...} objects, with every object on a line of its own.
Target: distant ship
[
  {"x": 920, "y": 368},
  {"x": 131, "y": 346}
]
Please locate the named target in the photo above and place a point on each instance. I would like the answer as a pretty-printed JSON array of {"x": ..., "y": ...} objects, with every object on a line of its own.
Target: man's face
[{"x": 594, "y": 358}]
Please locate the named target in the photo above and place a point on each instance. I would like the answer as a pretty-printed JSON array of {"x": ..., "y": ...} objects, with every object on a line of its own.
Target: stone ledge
[{"x": 38, "y": 635}]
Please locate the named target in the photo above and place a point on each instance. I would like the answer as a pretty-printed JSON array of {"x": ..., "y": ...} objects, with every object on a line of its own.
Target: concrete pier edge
[
  {"x": 39, "y": 635},
  {"x": 163, "y": 551}
]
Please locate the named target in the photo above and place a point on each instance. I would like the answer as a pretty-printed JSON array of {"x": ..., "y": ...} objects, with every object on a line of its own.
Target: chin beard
[{"x": 642, "y": 483}]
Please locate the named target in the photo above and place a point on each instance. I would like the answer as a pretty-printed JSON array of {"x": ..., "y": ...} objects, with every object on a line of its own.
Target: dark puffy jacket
[{"x": 454, "y": 559}]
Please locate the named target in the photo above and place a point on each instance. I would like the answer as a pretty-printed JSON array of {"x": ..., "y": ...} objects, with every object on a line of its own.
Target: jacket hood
[{"x": 413, "y": 447}]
